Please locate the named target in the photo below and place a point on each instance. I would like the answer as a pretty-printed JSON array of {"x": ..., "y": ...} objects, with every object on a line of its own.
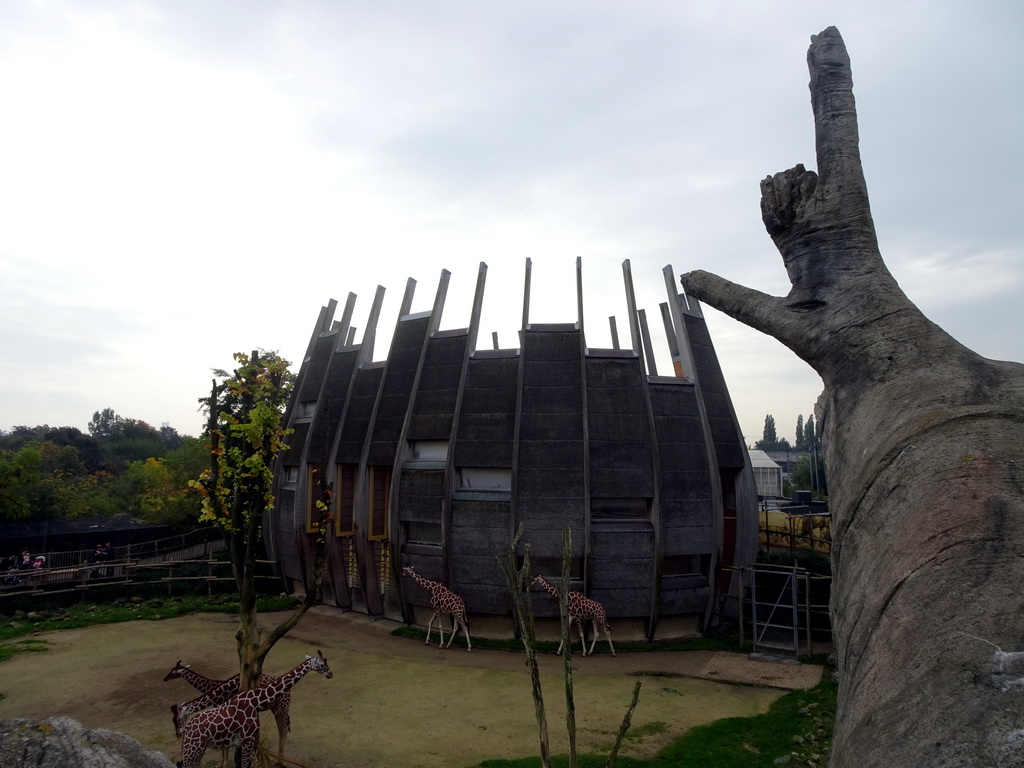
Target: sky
[{"x": 181, "y": 180}]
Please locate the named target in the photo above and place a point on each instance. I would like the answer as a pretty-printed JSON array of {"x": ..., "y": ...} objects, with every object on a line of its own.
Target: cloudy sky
[{"x": 183, "y": 179}]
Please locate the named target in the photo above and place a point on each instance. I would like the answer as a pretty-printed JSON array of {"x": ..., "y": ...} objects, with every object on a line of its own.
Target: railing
[
  {"x": 795, "y": 528},
  {"x": 80, "y": 569},
  {"x": 736, "y": 612}
]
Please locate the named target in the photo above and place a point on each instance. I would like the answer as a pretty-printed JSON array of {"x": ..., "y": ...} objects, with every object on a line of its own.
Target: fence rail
[
  {"x": 812, "y": 625},
  {"x": 184, "y": 558},
  {"x": 795, "y": 528}
]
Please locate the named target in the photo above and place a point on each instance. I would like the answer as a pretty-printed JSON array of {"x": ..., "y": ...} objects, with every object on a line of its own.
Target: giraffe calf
[
  {"x": 581, "y": 609},
  {"x": 443, "y": 601},
  {"x": 236, "y": 723},
  {"x": 228, "y": 726}
]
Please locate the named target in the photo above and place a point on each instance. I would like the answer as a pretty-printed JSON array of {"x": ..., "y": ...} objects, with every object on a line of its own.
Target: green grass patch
[
  {"x": 543, "y": 646},
  {"x": 799, "y": 723},
  {"x": 30, "y": 645},
  {"x": 49, "y": 617},
  {"x": 641, "y": 732}
]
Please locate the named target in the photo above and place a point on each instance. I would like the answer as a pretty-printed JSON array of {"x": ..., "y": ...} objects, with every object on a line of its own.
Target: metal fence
[
  {"x": 81, "y": 569},
  {"x": 784, "y": 609},
  {"x": 795, "y": 527}
]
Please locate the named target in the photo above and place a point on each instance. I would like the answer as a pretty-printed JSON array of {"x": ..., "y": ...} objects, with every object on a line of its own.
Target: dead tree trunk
[{"x": 925, "y": 457}]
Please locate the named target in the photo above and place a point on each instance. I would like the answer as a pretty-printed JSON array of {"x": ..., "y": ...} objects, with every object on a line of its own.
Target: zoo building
[{"x": 437, "y": 454}]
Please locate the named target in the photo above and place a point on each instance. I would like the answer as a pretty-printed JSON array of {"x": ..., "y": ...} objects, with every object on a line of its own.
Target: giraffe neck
[
  {"x": 427, "y": 584},
  {"x": 197, "y": 681},
  {"x": 549, "y": 587},
  {"x": 289, "y": 679}
]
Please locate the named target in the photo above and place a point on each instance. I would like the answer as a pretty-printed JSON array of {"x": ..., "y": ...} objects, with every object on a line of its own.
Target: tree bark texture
[{"x": 924, "y": 446}]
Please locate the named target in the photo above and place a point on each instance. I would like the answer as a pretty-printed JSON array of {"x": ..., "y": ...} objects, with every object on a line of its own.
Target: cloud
[{"x": 185, "y": 180}]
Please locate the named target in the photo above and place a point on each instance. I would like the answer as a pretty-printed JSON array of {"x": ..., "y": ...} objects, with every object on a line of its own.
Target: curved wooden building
[{"x": 438, "y": 453}]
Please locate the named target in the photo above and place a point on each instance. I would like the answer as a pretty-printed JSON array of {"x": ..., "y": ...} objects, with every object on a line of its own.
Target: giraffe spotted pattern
[
  {"x": 215, "y": 692},
  {"x": 580, "y": 610},
  {"x": 236, "y": 723},
  {"x": 443, "y": 601}
]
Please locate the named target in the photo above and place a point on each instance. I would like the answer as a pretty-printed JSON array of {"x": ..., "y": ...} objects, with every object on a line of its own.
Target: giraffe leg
[
  {"x": 583, "y": 639},
  {"x": 440, "y": 628},
  {"x": 591, "y": 653},
  {"x": 249, "y": 750},
  {"x": 430, "y": 626},
  {"x": 451, "y": 637},
  {"x": 465, "y": 628},
  {"x": 608, "y": 634},
  {"x": 283, "y": 719}
]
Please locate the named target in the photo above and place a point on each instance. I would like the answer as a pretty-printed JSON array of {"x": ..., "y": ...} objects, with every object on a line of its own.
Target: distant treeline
[{"x": 120, "y": 465}]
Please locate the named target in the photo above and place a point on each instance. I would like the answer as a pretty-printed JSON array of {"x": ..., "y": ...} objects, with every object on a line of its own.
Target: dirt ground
[{"x": 393, "y": 702}]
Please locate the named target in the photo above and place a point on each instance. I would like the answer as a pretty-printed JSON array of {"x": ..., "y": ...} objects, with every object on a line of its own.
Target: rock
[
  {"x": 33, "y": 616},
  {"x": 137, "y": 600},
  {"x": 58, "y": 742},
  {"x": 784, "y": 760},
  {"x": 15, "y": 625}
]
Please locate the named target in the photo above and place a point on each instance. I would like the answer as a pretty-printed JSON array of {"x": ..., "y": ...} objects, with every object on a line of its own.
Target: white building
[{"x": 767, "y": 474}]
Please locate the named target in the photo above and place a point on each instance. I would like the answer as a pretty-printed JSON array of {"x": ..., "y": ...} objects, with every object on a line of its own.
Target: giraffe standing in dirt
[
  {"x": 580, "y": 609},
  {"x": 236, "y": 723},
  {"x": 217, "y": 692},
  {"x": 443, "y": 600}
]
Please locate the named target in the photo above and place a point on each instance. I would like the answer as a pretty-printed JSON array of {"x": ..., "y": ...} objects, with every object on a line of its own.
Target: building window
[
  {"x": 685, "y": 565},
  {"x": 346, "y": 495},
  {"x": 291, "y": 474},
  {"x": 307, "y": 409},
  {"x": 551, "y": 568},
  {"x": 485, "y": 479},
  {"x": 619, "y": 510},
  {"x": 423, "y": 533},
  {"x": 380, "y": 493},
  {"x": 428, "y": 450}
]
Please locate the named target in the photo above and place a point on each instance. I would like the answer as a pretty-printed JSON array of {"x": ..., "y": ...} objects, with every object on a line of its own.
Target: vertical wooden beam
[
  {"x": 345, "y": 324},
  {"x": 645, "y": 336},
  {"x": 634, "y": 330},
  {"x": 478, "y": 304},
  {"x": 685, "y": 355},
  {"x": 410, "y": 289},
  {"x": 370, "y": 334},
  {"x": 439, "y": 298}
]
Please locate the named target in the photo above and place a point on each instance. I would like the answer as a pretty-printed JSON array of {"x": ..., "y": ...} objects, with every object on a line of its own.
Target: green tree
[
  {"x": 172, "y": 440},
  {"x": 245, "y": 414},
  {"x": 770, "y": 439},
  {"x": 104, "y": 424},
  {"x": 133, "y": 440},
  {"x": 20, "y": 483},
  {"x": 801, "y": 439}
]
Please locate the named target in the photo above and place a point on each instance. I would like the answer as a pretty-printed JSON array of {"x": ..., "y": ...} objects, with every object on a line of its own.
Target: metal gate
[{"x": 773, "y": 610}]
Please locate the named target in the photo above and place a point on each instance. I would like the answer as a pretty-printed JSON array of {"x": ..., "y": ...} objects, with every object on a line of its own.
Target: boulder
[{"x": 60, "y": 742}]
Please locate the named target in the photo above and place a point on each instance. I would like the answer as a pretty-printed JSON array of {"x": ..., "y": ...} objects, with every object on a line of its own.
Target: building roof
[{"x": 761, "y": 459}]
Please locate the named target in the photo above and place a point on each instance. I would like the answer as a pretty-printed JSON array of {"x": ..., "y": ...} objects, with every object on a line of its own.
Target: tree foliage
[
  {"x": 246, "y": 433},
  {"x": 56, "y": 473},
  {"x": 770, "y": 439}
]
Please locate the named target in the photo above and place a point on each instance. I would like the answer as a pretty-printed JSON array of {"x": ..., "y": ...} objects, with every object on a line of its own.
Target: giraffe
[
  {"x": 442, "y": 600},
  {"x": 236, "y": 723},
  {"x": 580, "y": 609},
  {"x": 217, "y": 692}
]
